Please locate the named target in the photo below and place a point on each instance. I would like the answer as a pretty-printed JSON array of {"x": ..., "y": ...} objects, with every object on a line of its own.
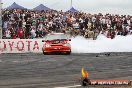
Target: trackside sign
[
  {"x": 20, "y": 45},
  {"x": 85, "y": 81},
  {"x": 110, "y": 82}
]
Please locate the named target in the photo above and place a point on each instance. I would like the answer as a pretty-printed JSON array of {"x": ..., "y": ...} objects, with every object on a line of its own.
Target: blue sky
[{"x": 92, "y": 6}]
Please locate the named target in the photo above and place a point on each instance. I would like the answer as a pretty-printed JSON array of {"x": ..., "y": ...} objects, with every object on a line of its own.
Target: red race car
[{"x": 56, "y": 42}]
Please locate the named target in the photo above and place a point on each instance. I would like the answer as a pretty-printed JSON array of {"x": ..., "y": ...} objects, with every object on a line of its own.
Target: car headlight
[
  {"x": 67, "y": 44},
  {"x": 47, "y": 45}
]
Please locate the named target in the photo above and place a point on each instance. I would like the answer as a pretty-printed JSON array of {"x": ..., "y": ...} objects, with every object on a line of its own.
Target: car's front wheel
[
  {"x": 45, "y": 53},
  {"x": 68, "y": 53}
]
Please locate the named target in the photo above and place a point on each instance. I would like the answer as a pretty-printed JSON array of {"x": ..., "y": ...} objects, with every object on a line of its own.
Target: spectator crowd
[{"x": 27, "y": 24}]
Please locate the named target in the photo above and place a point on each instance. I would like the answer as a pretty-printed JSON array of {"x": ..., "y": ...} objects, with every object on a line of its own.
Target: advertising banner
[{"x": 21, "y": 45}]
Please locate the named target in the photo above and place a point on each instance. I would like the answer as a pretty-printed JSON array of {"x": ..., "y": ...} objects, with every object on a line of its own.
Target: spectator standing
[
  {"x": 20, "y": 33},
  {"x": 8, "y": 34},
  {"x": 28, "y": 25},
  {"x": 33, "y": 32}
]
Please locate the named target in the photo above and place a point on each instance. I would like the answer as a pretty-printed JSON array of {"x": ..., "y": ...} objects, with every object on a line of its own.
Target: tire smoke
[{"x": 101, "y": 44}]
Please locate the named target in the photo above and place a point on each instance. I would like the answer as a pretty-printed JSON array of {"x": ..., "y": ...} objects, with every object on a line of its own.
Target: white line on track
[
  {"x": 48, "y": 61},
  {"x": 15, "y": 61},
  {"x": 118, "y": 69},
  {"x": 130, "y": 70},
  {"x": 69, "y": 86},
  {"x": 23, "y": 61}
]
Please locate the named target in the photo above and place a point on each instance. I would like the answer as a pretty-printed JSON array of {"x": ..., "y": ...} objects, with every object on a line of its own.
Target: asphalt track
[{"x": 55, "y": 71}]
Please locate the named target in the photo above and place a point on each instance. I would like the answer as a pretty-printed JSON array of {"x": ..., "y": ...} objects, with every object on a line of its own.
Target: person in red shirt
[
  {"x": 14, "y": 36},
  {"x": 20, "y": 33}
]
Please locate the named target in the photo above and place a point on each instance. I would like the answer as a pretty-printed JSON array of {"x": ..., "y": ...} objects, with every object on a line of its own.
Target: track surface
[{"x": 50, "y": 71}]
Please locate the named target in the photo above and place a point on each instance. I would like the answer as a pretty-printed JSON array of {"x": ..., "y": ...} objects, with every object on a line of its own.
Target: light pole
[
  {"x": 1, "y": 19},
  {"x": 71, "y": 3},
  {"x": 44, "y": 2}
]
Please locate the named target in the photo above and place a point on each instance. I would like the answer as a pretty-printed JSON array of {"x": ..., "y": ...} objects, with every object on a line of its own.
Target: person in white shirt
[
  {"x": 93, "y": 19},
  {"x": 76, "y": 25},
  {"x": 5, "y": 25},
  {"x": 33, "y": 33},
  {"x": 8, "y": 34},
  {"x": 23, "y": 23}
]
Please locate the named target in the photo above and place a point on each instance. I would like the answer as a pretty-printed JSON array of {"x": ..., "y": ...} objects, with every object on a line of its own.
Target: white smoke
[{"x": 102, "y": 44}]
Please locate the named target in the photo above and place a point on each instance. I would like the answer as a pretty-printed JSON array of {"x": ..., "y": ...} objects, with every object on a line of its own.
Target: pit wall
[{"x": 21, "y": 45}]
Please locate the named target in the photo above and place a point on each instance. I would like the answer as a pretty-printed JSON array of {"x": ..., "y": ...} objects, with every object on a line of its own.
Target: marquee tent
[
  {"x": 72, "y": 10},
  {"x": 41, "y": 7},
  {"x": 15, "y": 6}
]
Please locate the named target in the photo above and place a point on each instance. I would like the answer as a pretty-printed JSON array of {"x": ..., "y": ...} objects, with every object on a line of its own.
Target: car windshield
[{"x": 56, "y": 36}]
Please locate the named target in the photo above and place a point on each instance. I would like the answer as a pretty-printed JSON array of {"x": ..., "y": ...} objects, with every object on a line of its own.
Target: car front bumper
[{"x": 56, "y": 49}]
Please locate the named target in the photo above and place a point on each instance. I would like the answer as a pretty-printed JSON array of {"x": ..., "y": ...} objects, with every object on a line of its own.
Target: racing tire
[
  {"x": 68, "y": 53},
  {"x": 85, "y": 82},
  {"x": 45, "y": 53}
]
